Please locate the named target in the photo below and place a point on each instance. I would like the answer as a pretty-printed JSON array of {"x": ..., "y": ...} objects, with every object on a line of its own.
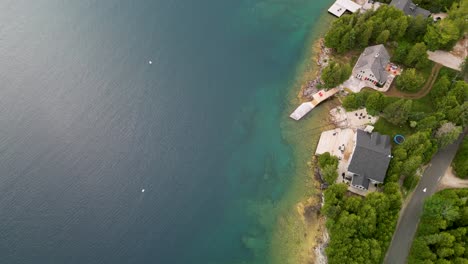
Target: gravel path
[{"x": 451, "y": 181}]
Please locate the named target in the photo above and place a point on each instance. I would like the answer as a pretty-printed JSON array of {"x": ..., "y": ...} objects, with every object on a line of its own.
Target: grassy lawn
[
  {"x": 423, "y": 104},
  {"x": 386, "y": 128}
]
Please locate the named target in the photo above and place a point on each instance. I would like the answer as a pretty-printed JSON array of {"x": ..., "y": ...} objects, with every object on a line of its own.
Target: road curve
[{"x": 409, "y": 217}]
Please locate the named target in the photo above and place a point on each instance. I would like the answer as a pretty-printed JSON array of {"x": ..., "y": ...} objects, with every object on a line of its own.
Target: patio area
[
  {"x": 340, "y": 143},
  {"x": 355, "y": 119}
]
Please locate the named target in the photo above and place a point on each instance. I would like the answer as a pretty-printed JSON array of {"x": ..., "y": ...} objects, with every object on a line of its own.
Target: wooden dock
[
  {"x": 341, "y": 6},
  {"x": 306, "y": 107}
]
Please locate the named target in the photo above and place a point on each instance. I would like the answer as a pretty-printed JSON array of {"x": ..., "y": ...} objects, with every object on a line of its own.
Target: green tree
[
  {"x": 330, "y": 174},
  {"x": 401, "y": 52},
  {"x": 410, "y": 81},
  {"x": 447, "y": 134},
  {"x": 397, "y": 113},
  {"x": 453, "y": 111},
  {"x": 383, "y": 37},
  {"x": 442, "y": 35},
  {"x": 460, "y": 91},
  {"x": 326, "y": 159},
  {"x": 355, "y": 101},
  {"x": 440, "y": 88},
  {"x": 411, "y": 165},
  {"x": 417, "y": 56},
  {"x": 417, "y": 28},
  {"x": 334, "y": 200},
  {"x": 464, "y": 68},
  {"x": 335, "y": 74},
  {"x": 460, "y": 164},
  {"x": 435, "y": 6},
  {"x": 429, "y": 122},
  {"x": 375, "y": 103}
]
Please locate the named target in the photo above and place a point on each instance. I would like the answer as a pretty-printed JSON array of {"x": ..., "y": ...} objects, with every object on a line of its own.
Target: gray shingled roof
[
  {"x": 376, "y": 58},
  {"x": 361, "y": 181},
  {"x": 371, "y": 156},
  {"x": 409, "y": 8}
]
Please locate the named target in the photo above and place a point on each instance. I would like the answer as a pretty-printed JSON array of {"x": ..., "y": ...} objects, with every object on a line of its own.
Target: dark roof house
[
  {"x": 373, "y": 60},
  {"x": 370, "y": 159},
  {"x": 409, "y": 8}
]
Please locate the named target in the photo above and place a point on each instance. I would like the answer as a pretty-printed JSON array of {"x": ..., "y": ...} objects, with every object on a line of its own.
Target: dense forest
[
  {"x": 360, "y": 228},
  {"x": 388, "y": 24},
  {"x": 442, "y": 235}
]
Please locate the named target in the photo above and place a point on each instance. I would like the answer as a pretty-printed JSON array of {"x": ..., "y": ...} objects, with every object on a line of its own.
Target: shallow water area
[{"x": 147, "y": 131}]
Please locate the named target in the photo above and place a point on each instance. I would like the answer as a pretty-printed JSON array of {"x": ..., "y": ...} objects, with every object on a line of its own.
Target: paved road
[{"x": 409, "y": 218}]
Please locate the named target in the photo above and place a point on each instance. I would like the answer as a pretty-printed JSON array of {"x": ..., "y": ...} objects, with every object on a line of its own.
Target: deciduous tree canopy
[
  {"x": 443, "y": 231},
  {"x": 410, "y": 81}
]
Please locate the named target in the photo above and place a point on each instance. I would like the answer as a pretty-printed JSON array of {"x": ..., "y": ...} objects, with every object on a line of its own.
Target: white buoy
[
  {"x": 142, "y": 190},
  {"x": 150, "y": 62},
  {"x": 424, "y": 190}
]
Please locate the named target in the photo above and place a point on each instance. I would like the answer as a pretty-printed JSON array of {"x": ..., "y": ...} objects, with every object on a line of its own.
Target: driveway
[
  {"x": 445, "y": 58},
  {"x": 409, "y": 217}
]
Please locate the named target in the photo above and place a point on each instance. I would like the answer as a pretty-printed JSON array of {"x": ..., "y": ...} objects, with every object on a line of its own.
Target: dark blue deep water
[{"x": 86, "y": 123}]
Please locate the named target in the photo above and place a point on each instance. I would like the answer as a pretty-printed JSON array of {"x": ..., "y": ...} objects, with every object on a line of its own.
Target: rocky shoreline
[{"x": 323, "y": 57}]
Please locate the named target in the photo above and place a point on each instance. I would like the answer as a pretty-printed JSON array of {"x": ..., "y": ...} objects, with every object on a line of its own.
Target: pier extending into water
[
  {"x": 306, "y": 107},
  {"x": 341, "y": 6}
]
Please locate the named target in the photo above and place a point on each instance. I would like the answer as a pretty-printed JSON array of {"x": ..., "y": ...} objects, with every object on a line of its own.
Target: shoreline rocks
[{"x": 311, "y": 87}]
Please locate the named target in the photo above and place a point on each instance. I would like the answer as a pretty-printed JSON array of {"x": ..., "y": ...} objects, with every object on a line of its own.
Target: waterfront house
[
  {"x": 371, "y": 65},
  {"x": 370, "y": 159},
  {"x": 409, "y": 8}
]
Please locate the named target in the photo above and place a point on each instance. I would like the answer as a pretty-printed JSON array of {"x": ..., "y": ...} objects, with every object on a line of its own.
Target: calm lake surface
[{"x": 86, "y": 122}]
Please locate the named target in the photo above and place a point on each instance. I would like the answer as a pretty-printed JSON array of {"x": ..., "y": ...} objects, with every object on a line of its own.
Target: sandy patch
[{"x": 449, "y": 180}]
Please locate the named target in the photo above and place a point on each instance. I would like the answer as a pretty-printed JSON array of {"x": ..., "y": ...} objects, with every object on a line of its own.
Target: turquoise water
[{"x": 86, "y": 123}]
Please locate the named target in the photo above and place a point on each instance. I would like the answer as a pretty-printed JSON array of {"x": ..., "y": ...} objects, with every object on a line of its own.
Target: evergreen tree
[
  {"x": 417, "y": 56},
  {"x": 398, "y": 112}
]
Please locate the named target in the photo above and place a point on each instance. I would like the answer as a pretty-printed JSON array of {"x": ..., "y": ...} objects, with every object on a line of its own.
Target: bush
[{"x": 327, "y": 159}]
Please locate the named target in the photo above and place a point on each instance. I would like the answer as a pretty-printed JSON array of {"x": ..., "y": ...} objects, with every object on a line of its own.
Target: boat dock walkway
[
  {"x": 306, "y": 107},
  {"x": 341, "y": 6}
]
